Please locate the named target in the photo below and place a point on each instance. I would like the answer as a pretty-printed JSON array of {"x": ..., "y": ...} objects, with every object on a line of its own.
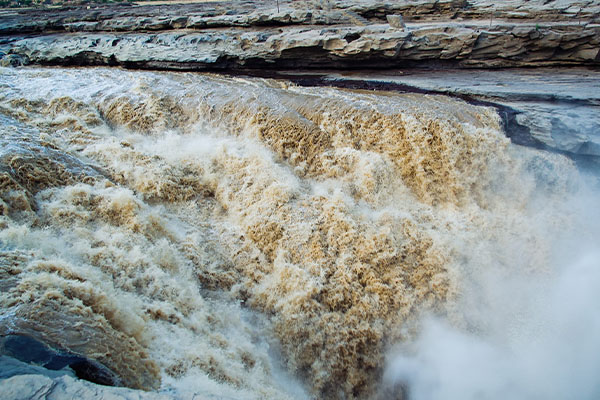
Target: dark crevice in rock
[
  {"x": 351, "y": 37},
  {"x": 93, "y": 372},
  {"x": 291, "y": 60}
]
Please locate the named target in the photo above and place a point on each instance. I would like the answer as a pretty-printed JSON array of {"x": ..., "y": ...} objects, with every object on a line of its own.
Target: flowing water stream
[{"x": 249, "y": 238}]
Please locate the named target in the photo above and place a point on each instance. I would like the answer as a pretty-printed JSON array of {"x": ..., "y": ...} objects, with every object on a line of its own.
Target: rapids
[{"x": 249, "y": 238}]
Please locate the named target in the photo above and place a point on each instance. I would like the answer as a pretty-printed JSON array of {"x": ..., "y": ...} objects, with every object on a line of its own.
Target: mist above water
[
  {"x": 531, "y": 334},
  {"x": 248, "y": 238}
]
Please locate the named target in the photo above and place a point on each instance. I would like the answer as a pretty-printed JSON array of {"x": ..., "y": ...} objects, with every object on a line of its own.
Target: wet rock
[
  {"x": 10, "y": 367},
  {"x": 12, "y": 60},
  {"x": 65, "y": 387},
  {"x": 26, "y": 349},
  {"x": 25, "y": 355}
]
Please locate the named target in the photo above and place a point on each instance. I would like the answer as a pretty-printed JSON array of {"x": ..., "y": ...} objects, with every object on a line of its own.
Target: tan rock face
[
  {"x": 351, "y": 34},
  {"x": 505, "y": 45}
]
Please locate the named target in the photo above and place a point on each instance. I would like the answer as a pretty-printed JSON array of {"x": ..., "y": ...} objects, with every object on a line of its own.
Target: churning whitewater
[{"x": 249, "y": 238}]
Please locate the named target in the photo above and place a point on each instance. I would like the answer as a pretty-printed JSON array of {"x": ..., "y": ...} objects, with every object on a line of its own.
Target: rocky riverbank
[{"x": 302, "y": 34}]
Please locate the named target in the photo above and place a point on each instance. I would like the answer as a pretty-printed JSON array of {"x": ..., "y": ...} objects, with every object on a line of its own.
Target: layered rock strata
[{"x": 343, "y": 34}]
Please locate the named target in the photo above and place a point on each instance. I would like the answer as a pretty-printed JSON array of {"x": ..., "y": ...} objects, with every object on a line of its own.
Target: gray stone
[
  {"x": 427, "y": 44},
  {"x": 396, "y": 21},
  {"x": 10, "y": 367},
  {"x": 34, "y": 387}
]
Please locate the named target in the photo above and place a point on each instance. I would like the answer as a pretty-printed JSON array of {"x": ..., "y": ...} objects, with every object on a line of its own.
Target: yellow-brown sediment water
[{"x": 249, "y": 238}]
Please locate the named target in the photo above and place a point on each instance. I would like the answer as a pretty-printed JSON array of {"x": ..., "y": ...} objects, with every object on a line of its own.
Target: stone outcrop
[
  {"x": 36, "y": 386},
  {"x": 302, "y": 34},
  {"x": 503, "y": 45},
  {"x": 246, "y": 13}
]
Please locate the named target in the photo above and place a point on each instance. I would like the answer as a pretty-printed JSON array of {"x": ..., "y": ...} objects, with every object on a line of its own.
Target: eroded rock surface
[
  {"x": 36, "y": 386},
  {"x": 303, "y": 34}
]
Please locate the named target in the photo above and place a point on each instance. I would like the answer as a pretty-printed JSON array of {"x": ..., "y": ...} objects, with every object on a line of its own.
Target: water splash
[{"x": 232, "y": 216}]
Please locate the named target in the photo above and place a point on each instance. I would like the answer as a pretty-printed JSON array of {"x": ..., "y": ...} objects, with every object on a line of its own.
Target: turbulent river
[{"x": 250, "y": 238}]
